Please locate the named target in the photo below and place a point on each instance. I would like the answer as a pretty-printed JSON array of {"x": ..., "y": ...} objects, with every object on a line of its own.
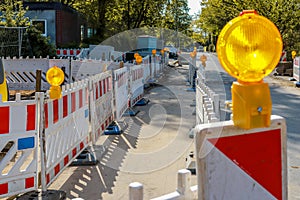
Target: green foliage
[
  {"x": 12, "y": 14},
  {"x": 34, "y": 43},
  {"x": 115, "y": 16},
  {"x": 284, "y": 14}
]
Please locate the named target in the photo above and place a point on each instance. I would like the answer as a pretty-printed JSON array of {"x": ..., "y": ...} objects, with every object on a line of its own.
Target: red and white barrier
[
  {"x": 283, "y": 56},
  {"x": 101, "y": 103},
  {"x": 296, "y": 68},
  {"x": 19, "y": 147},
  {"x": 136, "y": 83},
  {"x": 207, "y": 103},
  {"x": 66, "y": 128},
  {"x": 68, "y": 52},
  {"x": 233, "y": 163},
  {"x": 147, "y": 68},
  {"x": 82, "y": 69},
  {"x": 121, "y": 91}
]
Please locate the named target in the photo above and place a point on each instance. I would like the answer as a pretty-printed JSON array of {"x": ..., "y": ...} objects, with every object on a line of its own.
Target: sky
[{"x": 194, "y": 6}]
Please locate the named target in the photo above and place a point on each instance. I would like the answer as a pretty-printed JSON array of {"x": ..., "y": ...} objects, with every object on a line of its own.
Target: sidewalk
[{"x": 163, "y": 141}]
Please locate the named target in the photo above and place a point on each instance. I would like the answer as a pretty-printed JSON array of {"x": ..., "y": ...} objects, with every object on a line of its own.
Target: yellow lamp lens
[
  {"x": 249, "y": 47},
  {"x": 55, "y": 92},
  {"x": 55, "y": 76}
]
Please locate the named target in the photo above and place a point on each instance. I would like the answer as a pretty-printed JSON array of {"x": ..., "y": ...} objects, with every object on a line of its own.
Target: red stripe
[
  {"x": 81, "y": 145},
  {"x": 100, "y": 88},
  {"x": 66, "y": 160},
  {"x": 65, "y": 52},
  {"x": 47, "y": 178},
  {"x": 77, "y": 51},
  {"x": 29, "y": 182},
  {"x": 4, "y": 122},
  {"x": 80, "y": 99},
  {"x": 71, "y": 52},
  {"x": 30, "y": 125},
  {"x": 46, "y": 114},
  {"x": 74, "y": 152},
  {"x": 97, "y": 91},
  {"x": 258, "y": 154},
  {"x": 73, "y": 101},
  {"x": 55, "y": 111},
  {"x": 4, "y": 188},
  {"x": 57, "y": 52},
  {"x": 56, "y": 169},
  {"x": 65, "y": 106},
  {"x": 107, "y": 84},
  {"x": 104, "y": 86}
]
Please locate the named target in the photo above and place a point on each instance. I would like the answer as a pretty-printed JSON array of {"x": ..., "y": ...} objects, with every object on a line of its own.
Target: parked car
[{"x": 173, "y": 52}]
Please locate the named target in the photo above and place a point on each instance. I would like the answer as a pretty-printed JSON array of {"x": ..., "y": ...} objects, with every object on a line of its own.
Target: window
[{"x": 41, "y": 24}]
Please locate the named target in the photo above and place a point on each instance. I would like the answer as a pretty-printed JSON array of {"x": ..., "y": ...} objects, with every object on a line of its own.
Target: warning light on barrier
[
  {"x": 153, "y": 52},
  {"x": 249, "y": 48},
  {"x": 136, "y": 55},
  {"x": 139, "y": 59},
  {"x": 193, "y": 54},
  {"x": 55, "y": 77}
]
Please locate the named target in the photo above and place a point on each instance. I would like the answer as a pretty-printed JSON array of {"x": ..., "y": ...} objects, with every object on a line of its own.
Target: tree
[
  {"x": 13, "y": 15},
  {"x": 283, "y": 13},
  {"x": 177, "y": 16}
]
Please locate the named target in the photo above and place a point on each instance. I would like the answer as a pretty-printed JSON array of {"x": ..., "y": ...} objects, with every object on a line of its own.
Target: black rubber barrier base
[
  {"x": 85, "y": 158},
  {"x": 47, "y": 195}
]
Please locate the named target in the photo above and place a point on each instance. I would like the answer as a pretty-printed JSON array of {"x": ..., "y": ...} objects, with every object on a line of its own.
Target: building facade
[{"x": 63, "y": 24}]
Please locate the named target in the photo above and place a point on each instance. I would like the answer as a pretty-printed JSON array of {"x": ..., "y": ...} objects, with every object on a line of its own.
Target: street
[{"x": 155, "y": 142}]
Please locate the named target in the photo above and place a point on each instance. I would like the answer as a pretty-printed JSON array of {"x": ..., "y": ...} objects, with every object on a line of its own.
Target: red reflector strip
[
  {"x": 74, "y": 152},
  {"x": 65, "y": 106},
  {"x": 47, "y": 178},
  {"x": 56, "y": 169},
  {"x": 30, "y": 125},
  {"x": 4, "y": 122},
  {"x": 4, "y": 188},
  {"x": 66, "y": 160},
  {"x": 29, "y": 182},
  {"x": 46, "y": 115},
  {"x": 73, "y": 102},
  {"x": 80, "y": 99},
  {"x": 55, "y": 111}
]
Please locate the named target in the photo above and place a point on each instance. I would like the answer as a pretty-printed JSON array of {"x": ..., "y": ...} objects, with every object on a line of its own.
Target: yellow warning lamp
[
  {"x": 3, "y": 84},
  {"x": 135, "y": 55},
  {"x": 249, "y": 48},
  {"x": 162, "y": 52},
  {"x": 139, "y": 59},
  {"x": 55, "y": 77},
  {"x": 294, "y": 54},
  {"x": 193, "y": 54},
  {"x": 153, "y": 52}
]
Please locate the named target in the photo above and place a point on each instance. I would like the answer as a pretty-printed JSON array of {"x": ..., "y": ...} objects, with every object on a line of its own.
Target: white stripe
[
  {"x": 226, "y": 180},
  {"x": 18, "y": 118}
]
